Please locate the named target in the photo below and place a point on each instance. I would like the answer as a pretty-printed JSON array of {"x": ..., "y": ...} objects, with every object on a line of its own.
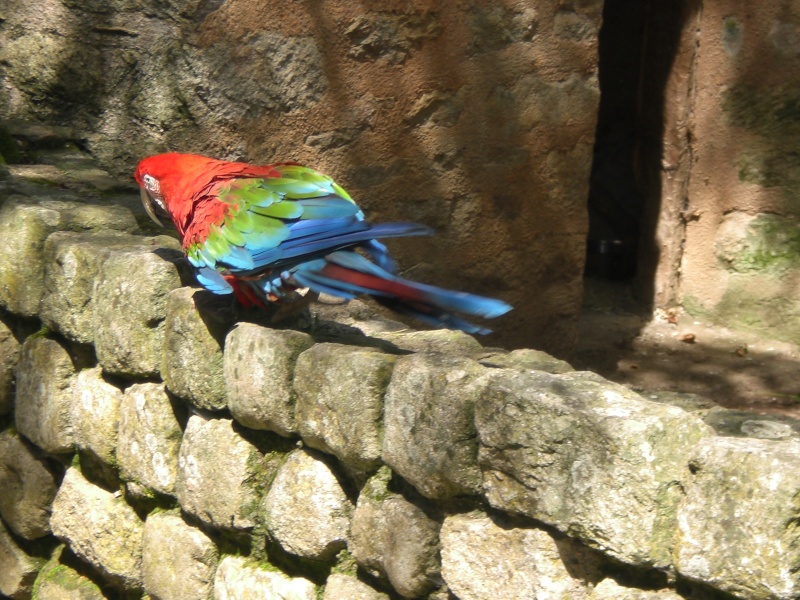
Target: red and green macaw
[{"x": 262, "y": 232}]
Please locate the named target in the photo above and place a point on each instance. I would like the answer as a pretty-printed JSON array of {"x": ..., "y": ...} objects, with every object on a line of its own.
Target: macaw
[{"x": 263, "y": 232}]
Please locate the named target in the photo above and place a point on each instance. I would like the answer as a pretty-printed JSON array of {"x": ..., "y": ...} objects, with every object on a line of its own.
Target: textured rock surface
[
  {"x": 485, "y": 559},
  {"x": 429, "y": 432},
  {"x": 195, "y": 330},
  {"x": 615, "y": 464},
  {"x": 306, "y": 510},
  {"x": 149, "y": 438},
  {"x": 527, "y": 359},
  {"x": 340, "y": 586},
  {"x": 340, "y": 401},
  {"x": 744, "y": 541},
  {"x": 25, "y": 224},
  {"x": 395, "y": 539},
  {"x": 72, "y": 266},
  {"x": 9, "y": 355},
  {"x": 178, "y": 561},
  {"x": 130, "y": 301},
  {"x": 28, "y": 487},
  {"x": 608, "y": 589},
  {"x": 45, "y": 378},
  {"x": 259, "y": 366},
  {"x": 220, "y": 474},
  {"x": 95, "y": 415},
  {"x": 17, "y": 569},
  {"x": 100, "y": 528},
  {"x": 57, "y": 581},
  {"x": 239, "y": 578}
]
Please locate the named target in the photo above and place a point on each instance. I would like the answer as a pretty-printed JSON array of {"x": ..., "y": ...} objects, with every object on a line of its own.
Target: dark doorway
[{"x": 639, "y": 44}]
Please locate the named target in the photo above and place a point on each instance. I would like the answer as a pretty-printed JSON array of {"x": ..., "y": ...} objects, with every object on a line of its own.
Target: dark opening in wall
[
  {"x": 615, "y": 202},
  {"x": 638, "y": 45}
]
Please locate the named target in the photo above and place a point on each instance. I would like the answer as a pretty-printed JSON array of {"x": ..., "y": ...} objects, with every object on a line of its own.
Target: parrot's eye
[
  {"x": 151, "y": 184},
  {"x": 154, "y": 189}
]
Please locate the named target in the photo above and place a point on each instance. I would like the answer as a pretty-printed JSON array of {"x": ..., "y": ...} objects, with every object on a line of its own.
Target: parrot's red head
[{"x": 168, "y": 180}]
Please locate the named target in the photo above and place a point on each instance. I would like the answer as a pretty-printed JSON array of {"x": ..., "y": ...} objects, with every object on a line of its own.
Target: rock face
[
  {"x": 616, "y": 485},
  {"x": 752, "y": 554},
  {"x": 486, "y": 135},
  {"x": 395, "y": 539},
  {"x": 100, "y": 528},
  {"x": 149, "y": 438},
  {"x": 216, "y": 481},
  {"x": 179, "y": 560},
  {"x": 340, "y": 401},
  {"x": 238, "y": 578},
  {"x": 484, "y": 559},
  {"x": 28, "y": 485},
  {"x": 45, "y": 377},
  {"x": 259, "y": 367},
  {"x": 434, "y": 444},
  {"x": 306, "y": 510}
]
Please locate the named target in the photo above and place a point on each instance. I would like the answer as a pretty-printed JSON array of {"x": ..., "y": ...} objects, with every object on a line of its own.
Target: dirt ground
[{"x": 678, "y": 353}]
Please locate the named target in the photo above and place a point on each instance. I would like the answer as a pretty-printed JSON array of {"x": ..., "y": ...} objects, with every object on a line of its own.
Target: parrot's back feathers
[{"x": 263, "y": 231}]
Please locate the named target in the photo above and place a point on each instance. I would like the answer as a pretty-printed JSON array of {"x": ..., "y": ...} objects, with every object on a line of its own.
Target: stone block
[
  {"x": 95, "y": 415},
  {"x": 340, "y": 393},
  {"x": 149, "y": 438},
  {"x": 306, "y": 510},
  {"x": 178, "y": 560},
  {"x": 589, "y": 457},
  {"x": 429, "y": 431},
  {"x": 527, "y": 359},
  {"x": 346, "y": 587},
  {"x": 73, "y": 262},
  {"x": 9, "y": 356},
  {"x": 608, "y": 589},
  {"x": 45, "y": 378},
  {"x": 737, "y": 524},
  {"x": 484, "y": 558},
  {"x": 100, "y": 528},
  {"x": 196, "y": 325},
  {"x": 28, "y": 487},
  {"x": 25, "y": 224},
  {"x": 239, "y": 577},
  {"x": 130, "y": 302},
  {"x": 220, "y": 474},
  {"x": 17, "y": 569},
  {"x": 446, "y": 341},
  {"x": 394, "y": 539},
  {"x": 58, "y": 581},
  {"x": 259, "y": 368}
]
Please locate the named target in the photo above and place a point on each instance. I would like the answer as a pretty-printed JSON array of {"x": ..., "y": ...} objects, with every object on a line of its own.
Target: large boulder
[
  {"x": 259, "y": 368},
  {"x": 100, "y": 528},
  {"x": 429, "y": 428},
  {"x": 178, "y": 560},
  {"x": 589, "y": 457},
  {"x": 306, "y": 510},
  {"x": 149, "y": 438},
  {"x": 45, "y": 379},
  {"x": 737, "y": 527},
  {"x": 28, "y": 485},
  {"x": 340, "y": 393}
]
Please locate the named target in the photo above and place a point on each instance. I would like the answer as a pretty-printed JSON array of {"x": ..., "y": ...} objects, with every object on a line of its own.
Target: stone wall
[
  {"x": 720, "y": 130},
  {"x": 154, "y": 442},
  {"x": 476, "y": 118}
]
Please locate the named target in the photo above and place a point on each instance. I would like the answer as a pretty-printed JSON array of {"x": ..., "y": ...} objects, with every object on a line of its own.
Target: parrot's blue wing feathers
[{"x": 300, "y": 230}]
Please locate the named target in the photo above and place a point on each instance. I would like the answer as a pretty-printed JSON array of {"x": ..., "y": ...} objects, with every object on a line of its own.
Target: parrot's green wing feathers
[{"x": 264, "y": 216}]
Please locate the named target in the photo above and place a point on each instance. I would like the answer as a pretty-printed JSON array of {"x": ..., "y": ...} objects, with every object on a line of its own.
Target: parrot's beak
[{"x": 149, "y": 206}]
